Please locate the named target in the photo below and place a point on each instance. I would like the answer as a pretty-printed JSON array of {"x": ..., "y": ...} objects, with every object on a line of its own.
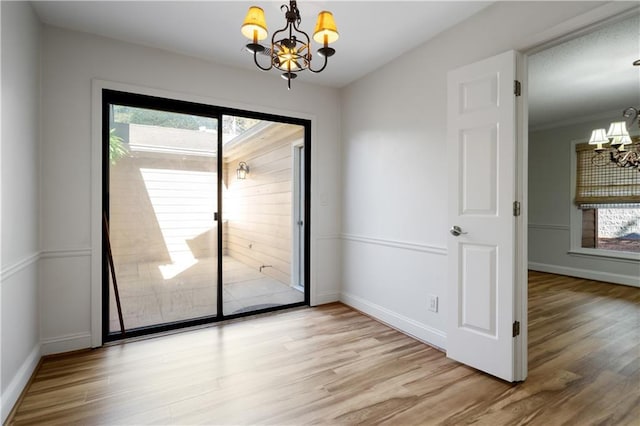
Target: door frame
[
  {"x": 98, "y": 338},
  {"x": 296, "y": 147}
]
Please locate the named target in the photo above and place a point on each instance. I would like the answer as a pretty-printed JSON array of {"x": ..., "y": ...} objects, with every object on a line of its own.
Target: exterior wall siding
[{"x": 257, "y": 210}]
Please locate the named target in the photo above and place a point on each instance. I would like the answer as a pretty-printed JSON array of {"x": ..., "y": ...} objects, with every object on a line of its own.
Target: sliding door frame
[{"x": 127, "y": 98}]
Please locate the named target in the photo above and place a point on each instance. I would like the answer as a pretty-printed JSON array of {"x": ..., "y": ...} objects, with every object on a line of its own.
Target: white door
[{"x": 481, "y": 145}]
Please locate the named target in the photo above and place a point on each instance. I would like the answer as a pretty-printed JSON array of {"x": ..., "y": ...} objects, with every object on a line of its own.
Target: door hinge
[
  {"x": 516, "y": 328},
  {"x": 516, "y": 208},
  {"x": 517, "y": 88}
]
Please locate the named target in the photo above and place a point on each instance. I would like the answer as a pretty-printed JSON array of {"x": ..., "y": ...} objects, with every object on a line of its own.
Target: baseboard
[
  {"x": 585, "y": 273},
  {"x": 322, "y": 299},
  {"x": 68, "y": 343},
  {"x": 415, "y": 329},
  {"x": 19, "y": 382}
]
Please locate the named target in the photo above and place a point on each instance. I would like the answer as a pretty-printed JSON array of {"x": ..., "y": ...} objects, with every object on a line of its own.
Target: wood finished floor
[{"x": 333, "y": 365}]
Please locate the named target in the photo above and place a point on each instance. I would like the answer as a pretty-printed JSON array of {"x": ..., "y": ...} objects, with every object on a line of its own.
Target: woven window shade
[{"x": 604, "y": 184}]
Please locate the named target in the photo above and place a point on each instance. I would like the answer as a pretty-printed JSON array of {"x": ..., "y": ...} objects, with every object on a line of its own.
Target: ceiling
[
  {"x": 372, "y": 33},
  {"x": 585, "y": 76}
]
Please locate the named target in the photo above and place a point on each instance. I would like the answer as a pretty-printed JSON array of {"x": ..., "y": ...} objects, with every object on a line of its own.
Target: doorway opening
[
  {"x": 583, "y": 219},
  {"x": 198, "y": 205}
]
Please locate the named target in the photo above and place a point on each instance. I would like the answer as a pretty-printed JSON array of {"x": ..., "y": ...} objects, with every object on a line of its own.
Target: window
[
  {"x": 614, "y": 227},
  {"x": 608, "y": 199}
]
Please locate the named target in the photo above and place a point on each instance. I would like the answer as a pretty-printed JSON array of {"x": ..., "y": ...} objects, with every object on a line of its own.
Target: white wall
[
  {"x": 19, "y": 326},
  {"x": 70, "y": 61},
  {"x": 550, "y": 207},
  {"x": 394, "y": 165}
]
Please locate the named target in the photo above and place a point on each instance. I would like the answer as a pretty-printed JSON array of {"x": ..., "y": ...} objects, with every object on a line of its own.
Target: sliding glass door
[
  {"x": 203, "y": 214},
  {"x": 258, "y": 201}
]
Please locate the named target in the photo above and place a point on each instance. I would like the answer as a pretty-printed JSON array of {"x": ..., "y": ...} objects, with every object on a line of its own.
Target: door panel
[
  {"x": 162, "y": 197},
  {"x": 482, "y": 154},
  {"x": 478, "y": 289},
  {"x": 258, "y": 217}
]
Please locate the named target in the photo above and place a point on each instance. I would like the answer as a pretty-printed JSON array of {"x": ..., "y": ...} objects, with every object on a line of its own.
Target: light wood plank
[{"x": 333, "y": 365}]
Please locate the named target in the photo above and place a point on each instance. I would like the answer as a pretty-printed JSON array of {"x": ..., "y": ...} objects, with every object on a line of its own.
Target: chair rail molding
[
  {"x": 62, "y": 253},
  {"x": 549, "y": 226},
  {"x": 405, "y": 245},
  {"x": 20, "y": 265}
]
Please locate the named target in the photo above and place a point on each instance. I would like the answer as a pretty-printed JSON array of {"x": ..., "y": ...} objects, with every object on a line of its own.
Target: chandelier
[
  {"x": 290, "y": 50},
  {"x": 618, "y": 137}
]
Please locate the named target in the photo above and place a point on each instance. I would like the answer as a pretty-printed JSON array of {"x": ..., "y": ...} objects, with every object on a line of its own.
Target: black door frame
[{"x": 111, "y": 97}]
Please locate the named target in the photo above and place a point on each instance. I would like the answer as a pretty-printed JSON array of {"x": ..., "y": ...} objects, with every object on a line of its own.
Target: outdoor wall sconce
[{"x": 242, "y": 170}]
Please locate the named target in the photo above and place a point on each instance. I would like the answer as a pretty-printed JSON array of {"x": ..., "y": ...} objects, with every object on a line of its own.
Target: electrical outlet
[{"x": 433, "y": 303}]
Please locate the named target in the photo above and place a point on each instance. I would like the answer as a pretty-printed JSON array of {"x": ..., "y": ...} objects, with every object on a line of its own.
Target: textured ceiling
[
  {"x": 372, "y": 33},
  {"x": 586, "y": 76}
]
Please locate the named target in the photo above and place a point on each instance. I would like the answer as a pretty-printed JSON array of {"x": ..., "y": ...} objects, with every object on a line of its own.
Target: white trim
[
  {"x": 97, "y": 86},
  {"x": 66, "y": 343},
  {"x": 56, "y": 254},
  {"x": 26, "y": 262},
  {"x": 586, "y": 274},
  {"x": 575, "y": 231},
  {"x": 521, "y": 244},
  {"x": 96, "y": 212},
  {"x": 19, "y": 382},
  {"x": 405, "y": 245},
  {"x": 19, "y": 266},
  {"x": 610, "y": 255},
  {"x": 549, "y": 226},
  {"x": 579, "y": 25},
  {"x": 415, "y": 329},
  {"x": 325, "y": 298},
  {"x": 298, "y": 180}
]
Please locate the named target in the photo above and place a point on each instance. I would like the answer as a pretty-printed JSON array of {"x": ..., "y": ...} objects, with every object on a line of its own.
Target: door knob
[{"x": 456, "y": 230}]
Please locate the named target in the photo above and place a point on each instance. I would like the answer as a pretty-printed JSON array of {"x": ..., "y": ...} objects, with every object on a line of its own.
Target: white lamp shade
[
  {"x": 617, "y": 131},
  {"x": 626, "y": 139},
  {"x": 623, "y": 141},
  {"x": 598, "y": 136}
]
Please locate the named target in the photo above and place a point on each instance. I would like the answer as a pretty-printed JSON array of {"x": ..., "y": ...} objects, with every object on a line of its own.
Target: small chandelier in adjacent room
[
  {"x": 622, "y": 151},
  {"x": 290, "y": 49},
  {"x": 242, "y": 171}
]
